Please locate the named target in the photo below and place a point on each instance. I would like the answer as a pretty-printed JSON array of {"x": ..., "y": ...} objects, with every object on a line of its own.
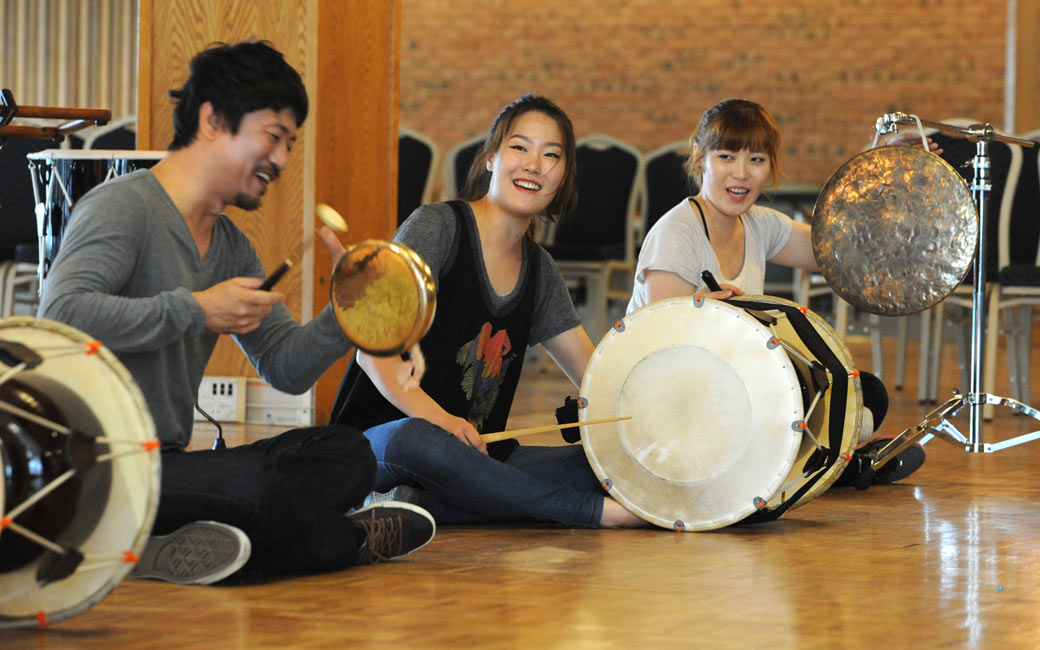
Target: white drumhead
[
  {"x": 100, "y": 384},
  {"x": 712, "y": 405}
]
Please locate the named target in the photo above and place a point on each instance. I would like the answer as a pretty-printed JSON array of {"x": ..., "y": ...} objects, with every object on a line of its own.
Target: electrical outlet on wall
[{"x": 224, "y": 398}]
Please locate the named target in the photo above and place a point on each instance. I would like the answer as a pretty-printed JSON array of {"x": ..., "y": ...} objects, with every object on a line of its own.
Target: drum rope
[
  {"x": 28, "y": 534},
  {"x": 61, "y": 184},
  {"x": 108, "y": 561},
  {"x": 31, "y": 501},
  {"x": 35, "y": 419},
  {"x": 148, "y": 446},
  {"x": 808, "y": 334},
  {"x": 12, "y": 372}
]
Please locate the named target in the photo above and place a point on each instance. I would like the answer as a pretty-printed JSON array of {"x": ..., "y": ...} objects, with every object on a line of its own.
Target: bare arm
[
  {"x": 414, "y": 401},
  {"x": 665, "y": 284},
  {"x": 797, "y": 252},
  {"x": 571, "y": 351}
]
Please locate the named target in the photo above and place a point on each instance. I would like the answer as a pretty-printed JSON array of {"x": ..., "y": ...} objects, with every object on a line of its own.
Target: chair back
[
  {"x": 665, "y": 182},
  {"x": 601, "y": 226},
  {"x": 1019, "y": 237},
  {"x": 457, "y": 164},
  {"x": 1005, "y": 163},
  {"x": 416, "y": 159},
  {"x": 118, "y": 134}
]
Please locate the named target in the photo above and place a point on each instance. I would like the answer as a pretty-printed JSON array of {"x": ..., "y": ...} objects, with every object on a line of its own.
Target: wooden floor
[{"x": 950, "y": 558}]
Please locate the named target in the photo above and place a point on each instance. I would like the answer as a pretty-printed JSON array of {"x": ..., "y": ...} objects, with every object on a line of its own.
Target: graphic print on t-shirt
[{"x": 484, "y": 362}]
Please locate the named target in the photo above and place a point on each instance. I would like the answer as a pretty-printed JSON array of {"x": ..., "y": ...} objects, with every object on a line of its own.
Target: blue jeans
[
  {"x": 288, "y": 493},
  {"x": 551, "y": 484}
]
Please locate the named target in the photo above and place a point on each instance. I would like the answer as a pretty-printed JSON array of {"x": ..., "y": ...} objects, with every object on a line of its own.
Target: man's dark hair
[{"x": 236, "y": 79}]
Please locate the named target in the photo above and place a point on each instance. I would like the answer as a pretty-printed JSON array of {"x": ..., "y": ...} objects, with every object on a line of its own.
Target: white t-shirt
[{"x": 677, "y": 243}]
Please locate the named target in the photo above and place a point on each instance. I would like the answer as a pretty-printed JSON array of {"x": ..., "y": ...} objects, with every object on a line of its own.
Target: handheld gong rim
[{"x": 384, "y": 296}]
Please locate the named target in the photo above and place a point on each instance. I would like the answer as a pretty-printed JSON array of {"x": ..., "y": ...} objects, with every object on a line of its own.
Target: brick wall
[{"x": 644, "y": 70}]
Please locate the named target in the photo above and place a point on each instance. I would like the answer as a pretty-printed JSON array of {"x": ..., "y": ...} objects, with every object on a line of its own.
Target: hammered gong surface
[{"x": 895, "y": 230}]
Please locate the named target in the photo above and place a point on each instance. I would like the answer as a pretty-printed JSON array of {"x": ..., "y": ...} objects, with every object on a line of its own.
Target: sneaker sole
[
  {"x": 200, "y": 553},
  {"x": 404, "y": 506}
]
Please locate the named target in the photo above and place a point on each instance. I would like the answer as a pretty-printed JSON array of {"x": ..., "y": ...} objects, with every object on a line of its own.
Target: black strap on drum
[{"x": 839, "y": 396}]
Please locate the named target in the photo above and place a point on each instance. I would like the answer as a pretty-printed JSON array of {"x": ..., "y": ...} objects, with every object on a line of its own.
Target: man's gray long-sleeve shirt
[{"x": 124, "y": 274}]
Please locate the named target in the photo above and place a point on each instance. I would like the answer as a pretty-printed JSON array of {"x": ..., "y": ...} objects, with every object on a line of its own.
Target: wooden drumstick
[
  {"x": 518, "y": 433},
  {"x": 277, "y": 274},
  {"x": 330, "y": 218}
]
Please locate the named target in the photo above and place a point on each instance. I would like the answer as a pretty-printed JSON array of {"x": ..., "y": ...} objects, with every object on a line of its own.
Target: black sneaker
[
  {"x": 906, "y": 463},
  {"x": 394, "y": 530},
  {"x": 199, "y": 553},
  {"x": 859, "y": 473}
]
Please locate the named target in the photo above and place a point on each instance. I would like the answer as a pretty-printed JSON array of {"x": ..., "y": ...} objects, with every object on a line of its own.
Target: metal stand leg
[{"x": 975, "y": 399}]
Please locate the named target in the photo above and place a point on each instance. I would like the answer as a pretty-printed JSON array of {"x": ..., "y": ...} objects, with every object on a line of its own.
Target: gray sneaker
[
  {"x": 394, "y": 530},
  {"x": 400, "y": 494},
  {"x": 199, "y": 553}
]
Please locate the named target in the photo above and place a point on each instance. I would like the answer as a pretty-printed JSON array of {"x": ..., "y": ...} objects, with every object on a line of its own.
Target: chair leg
[
  {"x": 7, "y": 288},
  {"x": 1019, "y": 338},
  {"x": 901, "y": 331},
  {"x": 924, "y": 370},
  {"x": 991, "y": 341},
  {"x": 841, "y": 317},
  {"x": 935, "y": 338},
  {"x": 800, "y": 287},
  {"x": 1011, "y": 344},
  {"x": 964, "y": 355},
  {"x": 1025, "y": 354},
  {"x": 597, "y": 303},
  {"x": 876, "y": 343}
]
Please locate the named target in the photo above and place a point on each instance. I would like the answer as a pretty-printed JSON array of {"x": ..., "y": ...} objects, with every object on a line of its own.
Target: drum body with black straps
[
  {"x": 733, "y": 417},
  {"x": 61, "y": 177},
  {"x": 80, "y": 472}
]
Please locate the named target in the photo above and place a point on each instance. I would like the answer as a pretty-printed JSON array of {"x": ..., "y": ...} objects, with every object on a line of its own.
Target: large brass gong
[{"x": 895, "y": 230}]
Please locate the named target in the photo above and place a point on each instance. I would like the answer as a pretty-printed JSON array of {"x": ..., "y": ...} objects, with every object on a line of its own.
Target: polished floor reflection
[{"x": 947, "y": 559}]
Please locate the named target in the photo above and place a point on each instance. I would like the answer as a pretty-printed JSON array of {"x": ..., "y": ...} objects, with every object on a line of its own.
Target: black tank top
[{"x": 473, "y": 357}]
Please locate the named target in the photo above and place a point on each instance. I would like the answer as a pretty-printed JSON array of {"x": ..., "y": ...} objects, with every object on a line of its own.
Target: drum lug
[
  {"x": 619, "y": 326},
  {"x": 760, "y": 503},
  {"x": 607, "y": 484},
  {"x": 13, "y": 354},
  {"x": 582, "y": 402},
  {"x": 679, "y": 526}
]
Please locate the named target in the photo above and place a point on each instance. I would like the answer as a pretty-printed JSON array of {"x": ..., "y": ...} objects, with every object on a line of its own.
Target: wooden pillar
[
  {"x": 1027, "y": 76},
  {"x": 356, "y": 129},
  {"x": 347, "y": 53}
]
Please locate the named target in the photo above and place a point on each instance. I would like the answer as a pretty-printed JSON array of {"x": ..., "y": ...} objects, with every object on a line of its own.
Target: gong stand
[{"x": 937, "y": 423}]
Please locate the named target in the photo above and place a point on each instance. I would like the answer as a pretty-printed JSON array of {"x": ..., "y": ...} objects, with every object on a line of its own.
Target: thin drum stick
[
  {"x": 517, "y": 433},
  {"x": 277, "y": 274}
]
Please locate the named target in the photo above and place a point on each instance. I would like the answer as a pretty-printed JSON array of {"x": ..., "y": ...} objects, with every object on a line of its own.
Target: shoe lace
[{"x": 385, "y": 537}]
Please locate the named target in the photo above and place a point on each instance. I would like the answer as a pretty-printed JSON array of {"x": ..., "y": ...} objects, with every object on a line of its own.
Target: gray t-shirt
[
  {"x": 430, "y": 230},
  {"x": 125, "y": 273}
]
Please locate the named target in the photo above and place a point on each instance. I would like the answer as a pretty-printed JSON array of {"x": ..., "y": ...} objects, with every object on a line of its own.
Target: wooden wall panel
[
  {"x": 1027, "y": 78},
  {"x": 356, "y": 129},
  {"x": 175, "y": 31},
  {"x": 346, "y": 52}
]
